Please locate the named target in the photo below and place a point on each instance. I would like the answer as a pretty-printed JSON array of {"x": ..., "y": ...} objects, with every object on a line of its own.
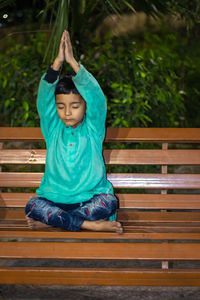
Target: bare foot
[
  {"x": 36, "y": 224},
  {"x": 102, "y": 225}
]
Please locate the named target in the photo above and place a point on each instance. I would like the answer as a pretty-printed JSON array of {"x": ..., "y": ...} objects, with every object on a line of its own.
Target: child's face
[{"x": 71, "y": 109}]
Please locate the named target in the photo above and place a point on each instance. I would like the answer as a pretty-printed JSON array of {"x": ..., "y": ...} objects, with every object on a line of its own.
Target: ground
[{"x": 91, "y": 293}]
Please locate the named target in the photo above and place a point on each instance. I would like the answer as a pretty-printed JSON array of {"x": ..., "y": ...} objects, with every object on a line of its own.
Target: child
[{"x": 74, "y": 193}]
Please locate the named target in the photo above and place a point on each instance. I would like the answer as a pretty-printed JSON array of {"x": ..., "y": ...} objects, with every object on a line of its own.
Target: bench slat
[
  {"x": 23, "y": 156},
  {"x": 152, "y": 157},
  {"x": 119, "y": 180},
  {"x": 138, "y": 201},
  {"x": 138, "y": 251},
  {"x": 159, "y": 216},
  {"x": 159, "y": 201},
  {"x": 112, "y": 157},
  {"x": 15, "y": 199},
  {"x": 21, "y": 134},
  {"x": 155, "y": 181},
  {"x": 142, "y": 228},
  {"x": 153, "y": 135},
  {"x": 100, "y": 276},
  {"x": 112, "y": 134},
  {"x": 123, "y": 216},
  {"x": 30, "y": 234},
  {"x": 135, "y": 221}
]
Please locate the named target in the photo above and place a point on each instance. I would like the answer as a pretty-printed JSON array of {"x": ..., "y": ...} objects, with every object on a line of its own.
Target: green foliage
[
  {"x": 146, "y": 82},
  {"x": 21, "y": 69},
  {"x": 78, "y": 15},
  {"x": 151, "y": 82},
  {"x": 61, "y": 23},
  {"x": 83, "y": 17}
]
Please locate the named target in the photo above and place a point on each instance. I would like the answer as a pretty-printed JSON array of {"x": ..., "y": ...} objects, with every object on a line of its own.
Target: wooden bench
[{"x": 159, "y": 207}]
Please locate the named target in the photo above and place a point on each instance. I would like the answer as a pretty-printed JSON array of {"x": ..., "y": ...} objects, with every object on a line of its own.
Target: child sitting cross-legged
[{"x": 74, "y": 193}]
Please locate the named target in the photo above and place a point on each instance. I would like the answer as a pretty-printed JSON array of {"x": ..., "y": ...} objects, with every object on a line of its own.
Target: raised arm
[
  {"x": 95, "y": 100},
  {"x": 46, "y": 93},
  {"x": 90, "y": 90},
  {"x": 46, "y": 106}
]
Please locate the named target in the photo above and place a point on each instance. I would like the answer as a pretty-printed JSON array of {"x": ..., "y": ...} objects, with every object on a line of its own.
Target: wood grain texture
[
  {"x": 124, "y": 216},
  {"x": 112, "y": 134},
  {"x": 111, "y": 157},
  {"x": 129, "y": 201},
  {"x": 155, "y": 181},
  {"x": 26, "y": 233},
  {"x": 123, "y": 251},
  {"x": 119, "y": 180},
  {"x": 100, "y": 276}
]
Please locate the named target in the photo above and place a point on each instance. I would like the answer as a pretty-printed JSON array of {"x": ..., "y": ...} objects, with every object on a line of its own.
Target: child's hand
[
  {"x": 69, "y": 56},
  {"x": 61, "y": 53}
]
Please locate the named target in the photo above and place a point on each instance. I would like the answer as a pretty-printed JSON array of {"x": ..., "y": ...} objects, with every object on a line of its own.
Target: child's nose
[{"x": 67, "y": 111}]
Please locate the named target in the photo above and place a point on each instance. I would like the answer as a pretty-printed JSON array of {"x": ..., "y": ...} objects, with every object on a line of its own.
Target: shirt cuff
[{"x": 51, "y": 75}]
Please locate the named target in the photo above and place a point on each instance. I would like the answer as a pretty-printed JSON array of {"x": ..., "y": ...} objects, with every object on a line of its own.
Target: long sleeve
[
  {"x": 51, "y": 75},
  {"x": 46, "y": 106},
  {"x": 96, "y": 103}
]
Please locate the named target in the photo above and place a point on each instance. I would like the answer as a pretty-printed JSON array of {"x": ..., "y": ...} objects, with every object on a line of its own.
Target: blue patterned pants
[{"x": 71, "y": 216}]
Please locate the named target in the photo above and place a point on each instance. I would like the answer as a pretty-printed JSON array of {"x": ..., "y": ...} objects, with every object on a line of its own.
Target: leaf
[
  {"x": 26, "y": 115},
  {"x": 116, "y": 100},
  {"x": 7, "y": 102},
  {"x": 5, "y": 83},
  {"x": 114, "y": 85},
  {"x": 125, "y": 123},
  {"x": 130, "y": 6},
  {"x": 61, "y": 23},
  {"x": 147, "y": 118},
  {"x": 26, "y": 105},
  {"x": 117, "y": 121},
  {"x": 143, "y": 75}
]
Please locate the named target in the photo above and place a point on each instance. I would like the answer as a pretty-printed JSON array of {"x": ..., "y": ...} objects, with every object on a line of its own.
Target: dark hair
[{"x": 66, "y": 86}]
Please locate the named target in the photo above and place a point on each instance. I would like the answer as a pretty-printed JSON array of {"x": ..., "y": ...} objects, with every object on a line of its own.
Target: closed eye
[{"x": 61, "y": 107}]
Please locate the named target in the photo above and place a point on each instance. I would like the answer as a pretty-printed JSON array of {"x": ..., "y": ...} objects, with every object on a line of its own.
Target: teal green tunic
[{"x": 75, "y": 169}]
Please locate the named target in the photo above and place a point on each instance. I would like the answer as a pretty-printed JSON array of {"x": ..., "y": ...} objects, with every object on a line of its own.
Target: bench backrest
[{"x": 158, "y": 170}]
